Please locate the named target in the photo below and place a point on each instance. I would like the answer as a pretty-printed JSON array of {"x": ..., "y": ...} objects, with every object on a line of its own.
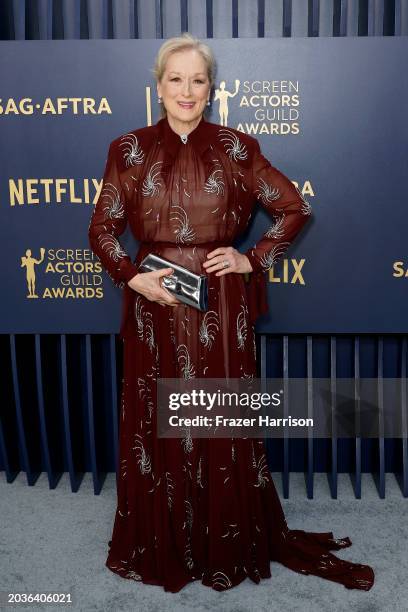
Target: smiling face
[{"x": 185, "y": 89}]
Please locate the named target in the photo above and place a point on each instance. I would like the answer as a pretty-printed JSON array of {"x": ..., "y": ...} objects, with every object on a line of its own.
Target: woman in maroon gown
[{"x": 197, "y": 508}]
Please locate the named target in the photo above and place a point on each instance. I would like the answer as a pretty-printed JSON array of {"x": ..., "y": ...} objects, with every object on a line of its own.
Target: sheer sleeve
[
  {"x": 285, "y": 205},
  {"x": 289, "y": 211},
  {"x": 108, "y": 221}
]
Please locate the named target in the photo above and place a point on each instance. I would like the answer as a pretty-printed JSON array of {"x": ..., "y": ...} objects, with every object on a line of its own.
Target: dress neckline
[
  {"x": 190, "y": 134},
  {"x": 172, "y": 141}
]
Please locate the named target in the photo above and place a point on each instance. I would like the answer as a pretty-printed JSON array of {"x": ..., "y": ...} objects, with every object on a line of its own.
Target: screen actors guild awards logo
[
  {"x": 28, "y": 262},
  {"x": 65, "y": 273},
  {"x": 222, "y": 95}
]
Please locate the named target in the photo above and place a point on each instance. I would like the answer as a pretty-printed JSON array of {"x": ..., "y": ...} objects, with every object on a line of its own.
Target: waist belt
[{"x": 163, "y": 243}]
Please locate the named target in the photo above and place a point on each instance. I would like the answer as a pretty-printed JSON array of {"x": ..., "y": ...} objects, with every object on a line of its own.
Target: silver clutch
[{"x": 187, "y": 286}]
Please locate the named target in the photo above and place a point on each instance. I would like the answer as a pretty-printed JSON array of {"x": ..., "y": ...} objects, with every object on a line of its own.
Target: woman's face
[{"x": 184, "y": 87}]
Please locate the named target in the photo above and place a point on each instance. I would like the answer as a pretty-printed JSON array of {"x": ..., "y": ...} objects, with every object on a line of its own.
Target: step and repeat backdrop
[{"x": 330, "y": 113}]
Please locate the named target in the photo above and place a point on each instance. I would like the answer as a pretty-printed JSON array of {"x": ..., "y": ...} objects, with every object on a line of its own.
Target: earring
[
  {"x": 159, "y": 99},
  {"x": 208, "y": 103}
]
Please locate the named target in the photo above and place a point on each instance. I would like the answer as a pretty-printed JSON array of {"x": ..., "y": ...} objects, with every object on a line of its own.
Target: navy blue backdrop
[{"x": 325, "y": 112}]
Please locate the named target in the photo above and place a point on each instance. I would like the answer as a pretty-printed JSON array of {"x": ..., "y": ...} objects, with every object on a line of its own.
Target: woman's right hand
[{"x": 148, "y": 284}]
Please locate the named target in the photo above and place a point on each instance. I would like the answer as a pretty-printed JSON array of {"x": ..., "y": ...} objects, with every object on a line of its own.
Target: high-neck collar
[{"x": 199, "y": 137}]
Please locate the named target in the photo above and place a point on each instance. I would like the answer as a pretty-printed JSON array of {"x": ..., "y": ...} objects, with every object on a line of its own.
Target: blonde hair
[{"x": 182, "y": 43}]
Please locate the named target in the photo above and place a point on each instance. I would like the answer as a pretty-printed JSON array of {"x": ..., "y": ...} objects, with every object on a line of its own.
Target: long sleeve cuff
[
  {"x": 253, "y": 260},
  {"x": 128, "y": 270}
]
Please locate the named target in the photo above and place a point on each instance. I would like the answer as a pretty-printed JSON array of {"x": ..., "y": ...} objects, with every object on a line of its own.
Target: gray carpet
[{"x": 57, "y": 541}]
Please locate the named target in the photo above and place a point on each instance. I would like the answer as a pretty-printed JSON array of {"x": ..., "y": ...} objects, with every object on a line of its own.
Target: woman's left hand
[{"x": 238, "y": 262}]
